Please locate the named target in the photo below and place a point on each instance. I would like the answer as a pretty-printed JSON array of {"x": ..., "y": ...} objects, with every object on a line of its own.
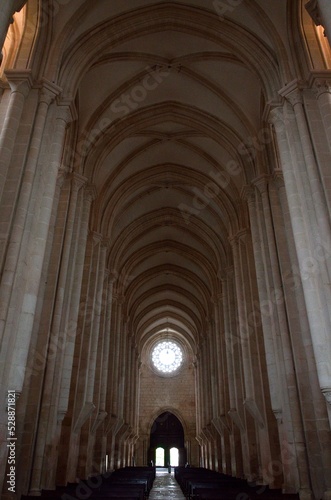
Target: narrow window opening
[
  {"x": 159, "y": 457},
  {"x": 174, "y": 457}
]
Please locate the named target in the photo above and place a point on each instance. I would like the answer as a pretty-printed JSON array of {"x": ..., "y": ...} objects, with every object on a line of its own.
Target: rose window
[{"x": 167, "y": 356}]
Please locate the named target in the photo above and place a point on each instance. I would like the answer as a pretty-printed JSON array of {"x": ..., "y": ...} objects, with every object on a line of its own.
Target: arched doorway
[{"x": 167, "y": 433}]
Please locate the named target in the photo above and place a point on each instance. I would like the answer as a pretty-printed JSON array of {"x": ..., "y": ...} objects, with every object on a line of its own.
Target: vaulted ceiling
[{"x": 167, "y": 93}]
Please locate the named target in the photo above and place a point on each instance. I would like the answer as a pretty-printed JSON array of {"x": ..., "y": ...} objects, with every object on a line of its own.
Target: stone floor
[{"x": 165, "y": 487}]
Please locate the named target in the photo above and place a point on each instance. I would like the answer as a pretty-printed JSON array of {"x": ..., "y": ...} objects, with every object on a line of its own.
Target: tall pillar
[
  {"x": 281, "y": 371},
  {"x": 262, "y": 280},
  {"x": 36, "y": 251},
  {"x": 62, "y": 335},
  {"x": 95, "y": 330},
  {"x": 310, "y": 403},
  {"x": 20, "y": 83},
  {"x": 312, "y": 283},
  {"x": 231, "y": 347},
  {"x": 18, "y": 331},
  {"x": 221, "y": 422},
  {"x": 74, "y": 312},
  {"x": 320, "y": 83},
  {"x": 311, "y": 279},
  {"x": 308, "y": 178},
  {"x": 106, "y": 352},
  {"x": 242, "y": 310},
  {"x": 47, "y": 95},
  {"x": 42, "y": 346}
]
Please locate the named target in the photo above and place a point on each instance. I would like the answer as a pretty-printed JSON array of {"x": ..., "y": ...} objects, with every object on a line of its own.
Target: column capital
[
  {"x": 19, "y": 80},
  {"x": 327, "y": 394},
  {"x": 247, "y": 193},
  {"x": 239, "y": 236},
  {"x": 269, "y": 107},
  {"x": 62, "y": 175},
  {"x": 278, "y": 412},
  {"x": 242, "y": 234},
  {"x": 276, "y": 116},
  {"x": 292, "y": 92},
  {"x": 90, "y": 193},
  {"x": 78, "y": 181},
  {"x": 60, "y": 415},
  {"x": 66, "y": 111},
  {"x": 96, "y": 237},
  {"x": 320, "y": 82},
  {"x": 261, "y": 183},
  {"x": 48, "y": 91},
  {"x": 278, "y": 178}
]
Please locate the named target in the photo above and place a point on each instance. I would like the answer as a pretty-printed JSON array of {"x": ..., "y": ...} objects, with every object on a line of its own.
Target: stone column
[
  {"x": 18, "y": 333},
  {"x": 312, "y": 190},
  {"x": 62, "y": 335},
  {"x": 198, "y": 390},
  {"x": 246, "y": 356},
  {"x": 204, "y": 382},
  {"x": 309, "y": 405},
  {"x": 83, "y": 403},
  {"x": 101, "y": 381},
  {"x": 242, "y": 309},
  {"x": 20, "y": 83},
  {"x": 7, "y": 10},
  {"x": 320, "y": 83},
  {"x": 281, "y": 371},
  {"x": 77, "y": 183},
  {"x": 47, "y": 94},
  {"x": 96, "y": 323},
  {"x": 122, "y": 371},
  {"x": 36, "y": 251},
  {"x": 115, "y": 395},
  {"x": 106, "y": 353},
  {"x": 228, "y": 342},
  {"x": 116, "y": 353},
  {"x": 262, "y": 280},
  {"x": 220, "y": 365},
  {"x": 312, "y": 280},
  {"x": 131, "y": 380},
  {"x": 73, "y": 313},
  {"x": 231, "y": 347},
  {"x": 221, "y": 422},
  {"x": 214, "y": 381}
]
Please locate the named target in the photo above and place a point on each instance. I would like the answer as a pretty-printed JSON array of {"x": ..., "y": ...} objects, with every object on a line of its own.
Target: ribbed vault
[
  {"x": 166, "y": 137},
  {"x": 164, "y": 169}
]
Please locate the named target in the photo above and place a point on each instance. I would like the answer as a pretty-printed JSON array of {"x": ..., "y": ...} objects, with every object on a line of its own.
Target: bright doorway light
[
  {"x": 159, "y": 457},
  {"x": 174, "y": 455}
]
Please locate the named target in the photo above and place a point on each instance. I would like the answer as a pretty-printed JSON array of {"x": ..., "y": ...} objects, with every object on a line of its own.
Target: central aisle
[{"x": 165, "y": 487}]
